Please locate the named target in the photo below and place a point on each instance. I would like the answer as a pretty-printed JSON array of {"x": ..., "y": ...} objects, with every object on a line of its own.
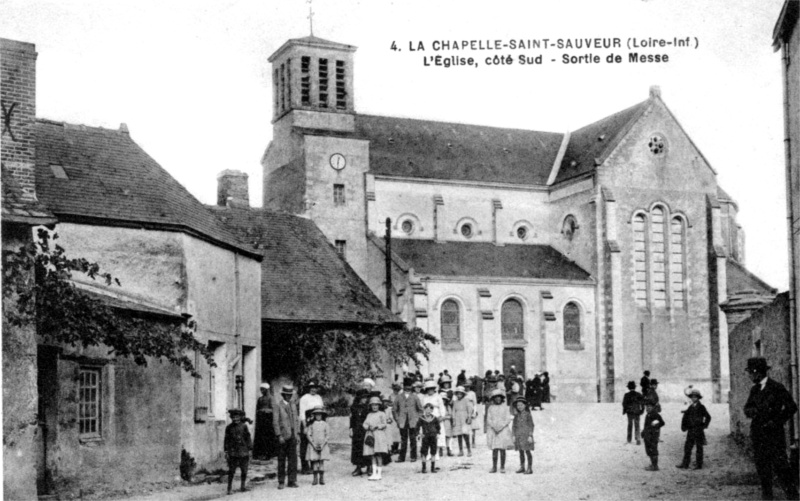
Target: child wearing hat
[
  {"x": 462, "y": 420},
  {"x": 375, "y": 441},
  {"x": 522, "y": 429},
  {"x": 498, "y": 429},
  {"x": 318, "y": 451},
  {"x": 652, "y": 431},
  {"x": 429, "y": 426},
  {"x": 439, "y": 410},
  {"x": 695, "y": 420},
  {"x": 392, "y": 430},
  {"x": 237, "y": 447},
  {"x": 446, "y": 424}
]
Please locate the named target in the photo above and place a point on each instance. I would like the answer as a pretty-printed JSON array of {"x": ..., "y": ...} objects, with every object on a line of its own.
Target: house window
[
  {"x": 677, "y": 262},
  {"x": 338, "y": 194},
  {"x": 89, "y": 402},
  {"x": 323, "y": 83},
  {"x": 341, "y": 247},
  {"x": 305, "y": 80},
  {"x": 640, "y": 259},
  {"x": 657, "y": 246},
  {"x": 512, "y": 320},
  {"x": 341, "y": 94},
  {"x": 572, "y": 326},
  {"x": 451, "y": 325}
]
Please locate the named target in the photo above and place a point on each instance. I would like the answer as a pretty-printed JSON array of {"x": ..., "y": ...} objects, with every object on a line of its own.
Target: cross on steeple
[{"x": 310, "y": 18}]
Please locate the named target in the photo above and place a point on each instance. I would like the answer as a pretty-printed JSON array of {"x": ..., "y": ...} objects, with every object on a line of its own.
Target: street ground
[{"x": 581, "y": 454}]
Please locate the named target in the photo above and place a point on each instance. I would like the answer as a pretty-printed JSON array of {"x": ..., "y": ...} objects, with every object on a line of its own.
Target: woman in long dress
[
  {"x": 358, "y": 413},
  {"x": 265, "y": 444}
]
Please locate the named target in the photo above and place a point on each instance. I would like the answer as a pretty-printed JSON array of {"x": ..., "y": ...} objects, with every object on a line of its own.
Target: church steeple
[{"x": 312, "y": 74}]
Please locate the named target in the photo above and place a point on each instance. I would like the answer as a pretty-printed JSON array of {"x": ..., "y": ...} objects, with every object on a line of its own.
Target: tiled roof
[
  {"x": 438, "y": 150},
  {"x": 478, "y": 259},
  {"x": 16, "y": 208},
  {"x": 303, "y": 279},
  {"x": 590, "y": 145},
  {"x": 111, "y": 180},
  {"x": 740, "y": 278}
]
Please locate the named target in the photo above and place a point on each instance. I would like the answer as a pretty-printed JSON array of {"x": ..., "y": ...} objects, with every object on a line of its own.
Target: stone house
[
  {"x": 595, "y": 254},
  {"x": 105, "y": 422}
]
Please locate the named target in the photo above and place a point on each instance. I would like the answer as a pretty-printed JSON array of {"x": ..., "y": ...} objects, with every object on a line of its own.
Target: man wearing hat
[
  {"x": 633, "y": 407},
  {"x": 695, "y": 420},
  {"x": 307, "y": 402},
  {"x": 286, "y": 427},
  {"x": 652, "y": 391},
  {"x": 769, "y": 405},
  {"x": 407, "y": 410},
  {"x": 237, "y": 447}
]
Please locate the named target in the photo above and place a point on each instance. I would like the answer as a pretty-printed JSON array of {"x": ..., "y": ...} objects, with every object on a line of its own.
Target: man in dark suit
[
  {"x": 769, "y": 406},
  {"x": 645, "y": 383},
  {"x": 286, "y": 427},
  {"x": 633, "y": 407},
  {"x": 407, "y": 409}
]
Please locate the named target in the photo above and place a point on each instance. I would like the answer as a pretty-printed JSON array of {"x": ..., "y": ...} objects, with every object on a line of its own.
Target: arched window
[
  {"x": 569, "y": 227},
  {"x": 640, "y": 259},
  {"x": 512, "y": 320},
  {"x": 572, "y": 326},
  {"x": 677, "y": 262},
  {"x": 657, "y": 247},
  {"x": 451, "y": 325}
]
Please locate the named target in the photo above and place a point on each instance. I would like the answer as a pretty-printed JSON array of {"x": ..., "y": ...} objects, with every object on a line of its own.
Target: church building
[{"x": 593, "y": 255}]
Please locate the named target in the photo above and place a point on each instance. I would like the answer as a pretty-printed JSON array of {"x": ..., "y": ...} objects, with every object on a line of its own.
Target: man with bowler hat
[
  {"x": 769, "y": 406},
  {"x": 286, "y": 427},
  {"x": 633, "y": 408},
  {"x": 407, "y": 409}
]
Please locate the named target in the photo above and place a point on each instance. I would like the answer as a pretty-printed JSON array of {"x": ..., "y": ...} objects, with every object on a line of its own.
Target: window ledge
[
  {"x": 575, "y": 347},
  {"x": 453, "y": 347},
  {"x": 91, "y": 440}
]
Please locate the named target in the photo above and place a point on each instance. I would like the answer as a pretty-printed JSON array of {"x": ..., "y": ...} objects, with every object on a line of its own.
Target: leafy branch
[{"x": 38, "y": 289}]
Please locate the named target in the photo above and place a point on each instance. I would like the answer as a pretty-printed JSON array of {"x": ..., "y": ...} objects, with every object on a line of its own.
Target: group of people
[
  {"x": 769, "y": 405},
  {"x": 440, "y": 416}
]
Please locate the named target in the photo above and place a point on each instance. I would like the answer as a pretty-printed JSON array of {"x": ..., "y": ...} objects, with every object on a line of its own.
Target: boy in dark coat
[
  {"x": 237, "y": 447},
  {"x": 429, "y": 429},
  {"x": 695, "y": 420},
  {"x": 652, "y": 432},
  {"x": 522, "y": 431},
  {"x": 633, "y": 407}
]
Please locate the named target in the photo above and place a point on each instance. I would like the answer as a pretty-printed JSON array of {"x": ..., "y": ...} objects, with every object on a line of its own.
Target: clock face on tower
[{"x": 338, "y": 161}]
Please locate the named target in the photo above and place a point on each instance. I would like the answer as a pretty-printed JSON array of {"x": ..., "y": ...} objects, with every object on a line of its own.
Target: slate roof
[
  {"x": 439, "y": 150},
  {"x": 591, "y": 145},
  {"x": 740, "y": 278},
  {"x": 17, "y": 208},
  {"x": 113, "y": 181},
  {"x": 303, "y": 278},
  {"x": 484, "y": 259}
]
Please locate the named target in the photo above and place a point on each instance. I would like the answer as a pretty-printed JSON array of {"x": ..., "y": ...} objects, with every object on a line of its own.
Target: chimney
[
  {"x": 232, "y": 189},
  {"x": 18, "y": 120}
]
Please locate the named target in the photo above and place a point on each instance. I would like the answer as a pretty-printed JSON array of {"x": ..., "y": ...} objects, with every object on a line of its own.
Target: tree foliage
[
  {"x": 38, "y": 288},
  {"x": 341, "y": 357}
]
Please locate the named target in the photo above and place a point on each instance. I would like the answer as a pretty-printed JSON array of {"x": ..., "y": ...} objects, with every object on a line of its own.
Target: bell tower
[{"x": 312, "y": 74}]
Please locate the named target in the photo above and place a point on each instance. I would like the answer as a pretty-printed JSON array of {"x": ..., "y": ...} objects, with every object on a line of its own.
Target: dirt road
[{"x": 581, "y": 454}]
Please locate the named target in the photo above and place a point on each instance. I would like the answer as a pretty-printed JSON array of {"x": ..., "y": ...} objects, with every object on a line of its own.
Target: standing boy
[
  {"x": 633, "y": 407},
  {"x": 237, "y": 447},
  {"x": 429, "y": 429},
  {"x": 652, "y": 432},
  {"x": 695, "y": 420}
]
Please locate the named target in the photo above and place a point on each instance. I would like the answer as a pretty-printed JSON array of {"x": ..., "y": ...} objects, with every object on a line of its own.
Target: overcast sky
[{"x": 191, "y": 79}]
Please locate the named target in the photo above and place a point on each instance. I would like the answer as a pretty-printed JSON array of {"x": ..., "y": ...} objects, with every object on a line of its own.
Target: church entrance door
[{"x": 515, "y": 357}]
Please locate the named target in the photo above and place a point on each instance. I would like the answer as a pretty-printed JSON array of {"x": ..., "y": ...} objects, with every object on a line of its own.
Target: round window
[
  {"x": 656, "y": 144},
  {"x": 407, "y": 227},
  {"x": 522, "y": 232},
  {"x": 466, "y": 230}
]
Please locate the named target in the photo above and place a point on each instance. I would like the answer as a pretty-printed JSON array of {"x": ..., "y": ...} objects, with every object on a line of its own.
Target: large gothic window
[
  {"x": 677, "y": 262},
  {"x": 659, "y": 265},
  {"x": 512, "y": 320},
  {"x": 640, "y": 259},
  {"x": 572, "y": 326},
  {"x": 451, "y": 325}
]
